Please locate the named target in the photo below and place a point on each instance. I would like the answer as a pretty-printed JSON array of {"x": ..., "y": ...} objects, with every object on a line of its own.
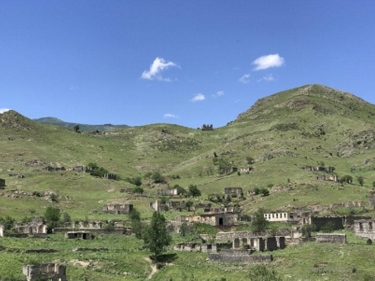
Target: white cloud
[
  {"x": 198, "y": 97},
  {"x": 269, "y": 61},
  {"x": 170, "y": 115},
  {"x": 2, "y": 110},
  {"x": 156, "y": 68},
  {"x": 245, "y": 78},
  {"x": 218, "y": 94}
]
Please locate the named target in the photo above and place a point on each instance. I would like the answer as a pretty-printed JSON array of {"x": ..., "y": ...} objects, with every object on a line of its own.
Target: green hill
[
  {"x": 278, "y": 136},
  {"x": 82, "y": 127}
]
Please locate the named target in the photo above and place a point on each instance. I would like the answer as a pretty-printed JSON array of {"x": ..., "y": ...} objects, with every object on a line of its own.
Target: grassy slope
[{"x": 283, "y": 132}]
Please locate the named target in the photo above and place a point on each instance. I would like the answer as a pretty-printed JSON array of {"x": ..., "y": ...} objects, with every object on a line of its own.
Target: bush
[
  {"x": 262, "y": 273},
  {"x": 369, "y": 242},
  {"x": 138, "y": 190},
  {"x": 52, "y": 214},
  {"x": 194, "y": 191},
  {"x": 157, "y": 177}
]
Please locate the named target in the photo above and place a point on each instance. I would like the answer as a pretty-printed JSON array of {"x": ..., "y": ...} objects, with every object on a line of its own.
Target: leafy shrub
[{"x": 194, "y": 191}]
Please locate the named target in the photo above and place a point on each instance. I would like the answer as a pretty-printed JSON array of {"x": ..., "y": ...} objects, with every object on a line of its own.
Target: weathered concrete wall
[
  {"x": 365, "y": 228},
  {"x": 45, "y": 271},
  {"x": 331, "y": 238},
  {"x": 244, "y": 256}
]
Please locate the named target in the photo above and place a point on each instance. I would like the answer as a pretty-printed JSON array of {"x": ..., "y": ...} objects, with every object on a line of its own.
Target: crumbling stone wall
[
  {"x": 117, "y": 209},
  {"x": 365, "y": 228},
  {"x": 233, "y": 190},
  {"x": 244, "y": 256},
  {"x": 49, "y": 271},
  {"x": 207, "y": 127},
  {"x": 331, "y": 238}
]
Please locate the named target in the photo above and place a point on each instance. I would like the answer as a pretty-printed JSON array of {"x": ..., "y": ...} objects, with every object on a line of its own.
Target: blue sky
[{"x": 180, "y": 62}]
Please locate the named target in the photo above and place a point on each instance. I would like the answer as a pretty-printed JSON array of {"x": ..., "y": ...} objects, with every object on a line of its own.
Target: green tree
[
  {"x": 52, "y": 214},
  {"x": 135, "y": 218},
  {"x": 346, "y": 179},
  {"x": 258, "y": 221},
  {"x": 157, "y": 177},
  {"x": 194, "y": 191},
  {"x": 361, "y": 180},
  {"x": 189, "y": 204},
  {"x": 76, "y": 128},
  {"x": 224, "y": 166},
  {"x": 262, "y": 273},
  {"x": 155, "y": 236}
]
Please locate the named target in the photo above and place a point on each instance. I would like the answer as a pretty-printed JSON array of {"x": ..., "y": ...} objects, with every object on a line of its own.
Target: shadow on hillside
[{"x": 166, "y": 258}]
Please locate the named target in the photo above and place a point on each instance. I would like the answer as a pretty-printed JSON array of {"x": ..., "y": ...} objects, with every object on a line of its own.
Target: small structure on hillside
[
  {"x": 167, "y": 192},
  {"x": 211, "y": 218},
  {"x": 365, "y": 228},
  {"x": 230, "y": 191},
  {"x": 45, "y": 271},
  {"x": 117, "y": 209},
  {"x": 168, "y": 205},
  {"x": 303, "y": 217},
  {"x": 207, "y": 127},
  {"x": 79, "y": 235}
]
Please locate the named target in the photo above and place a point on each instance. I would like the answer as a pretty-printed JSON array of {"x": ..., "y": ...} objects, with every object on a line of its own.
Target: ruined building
[
  {"x": 117, "y": 209},
  {"x": 207, "y": 127},
  {"x": 45, "y": 271},
  {"x": 365, "y": 228},
  {"x": 303, "y": 217}
]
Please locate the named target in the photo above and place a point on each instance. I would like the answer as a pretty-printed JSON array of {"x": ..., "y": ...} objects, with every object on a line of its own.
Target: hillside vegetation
[{"x": 311, "y": 125}]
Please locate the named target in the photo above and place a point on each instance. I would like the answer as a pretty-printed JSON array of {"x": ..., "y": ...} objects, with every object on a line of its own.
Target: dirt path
[{"x": 153, "y": 268}]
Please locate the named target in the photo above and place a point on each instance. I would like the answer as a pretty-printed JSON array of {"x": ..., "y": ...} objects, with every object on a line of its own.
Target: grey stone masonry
[
  {"x": 45, "y": 271},
  {"x": 331, "y": 238},
  {"x": 365, "y": 228},
  {"x": 244, "y": 256}
]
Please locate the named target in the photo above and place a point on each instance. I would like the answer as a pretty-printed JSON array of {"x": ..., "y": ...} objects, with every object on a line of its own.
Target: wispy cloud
[
  {"x": 268, "y": 78},
  {"x": 245, "y": 78},
  {"x": 170, "y": 115},
  {"x": 198, "y": 97},
  {"x": 268, "y": 61},
  {"x": 218, "y": 94},
  {"x": 2, "y": 110},
  {"x": 158, "y": 66}
]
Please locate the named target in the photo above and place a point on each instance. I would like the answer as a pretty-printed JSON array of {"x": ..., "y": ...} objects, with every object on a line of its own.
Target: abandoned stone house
[
  {"x": 214, "y": 219},
  {"x": 168, "y": 205},
  {"x": 2, "y": 183},
  {"x": 167, "y": 192},
  {"x": 207, "y": 127},
  {"x": 45, "y": 271},
  {"x": 318, "y": 169},
  {"x": 84, "y": 235},
  {"x": 364, "y": 228},
  {"x": 196, "y": 247},
  {"x": 332, "y": 177},
  {"x": 331, "y": 238},
  {"x": 303, "y": 217},
  {"x": 230, "y": 191},
  {"x": 243, "y": 239},
  {"x": 117, "y": 209},
  {"x": 79, "y": 169},
  {"x": 246, "y": 170},
  {"x": 36, "y": 228}
]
